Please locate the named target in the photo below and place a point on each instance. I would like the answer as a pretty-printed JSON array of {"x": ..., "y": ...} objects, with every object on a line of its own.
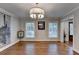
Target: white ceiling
[{"x": 51, "y": 9}]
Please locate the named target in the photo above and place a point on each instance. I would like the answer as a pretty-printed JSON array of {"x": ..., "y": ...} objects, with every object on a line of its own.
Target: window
[
  {"x": 53, "y": 30},
  {"x": 71, "y": 29},
  {"x": 1, "y": 20},
  {"x": 30, "y": 33}
]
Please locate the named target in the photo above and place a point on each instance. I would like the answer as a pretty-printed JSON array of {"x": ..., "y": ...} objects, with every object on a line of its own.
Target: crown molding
[{"x": 74, "y": 9}]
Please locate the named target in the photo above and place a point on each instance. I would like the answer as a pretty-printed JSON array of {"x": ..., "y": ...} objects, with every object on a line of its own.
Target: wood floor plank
[{"x": 39, "y": 48}]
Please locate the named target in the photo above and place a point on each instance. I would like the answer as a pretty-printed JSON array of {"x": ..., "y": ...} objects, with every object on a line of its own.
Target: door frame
[{"x": 69, "y": 30}]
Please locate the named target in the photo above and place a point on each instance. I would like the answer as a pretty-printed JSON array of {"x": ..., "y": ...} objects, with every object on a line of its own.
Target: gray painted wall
[
  {"x": 41, "y": 35},
  {"x": 75, "y": 15},
  {"x": 14, "y": 26}
]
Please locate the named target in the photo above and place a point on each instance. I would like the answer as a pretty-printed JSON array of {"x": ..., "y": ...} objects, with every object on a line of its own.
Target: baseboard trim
[
  {"x": 9, "y": 45},
  {"x": 39, "y": 40},
  {"x": 76, "y": 51}
]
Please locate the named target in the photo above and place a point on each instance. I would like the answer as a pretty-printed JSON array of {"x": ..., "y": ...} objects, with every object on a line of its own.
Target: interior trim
[
  {"x": 9, "y": 45},
  {"x": 76, "y": 51},
  {"x": 71, "y": 11}
]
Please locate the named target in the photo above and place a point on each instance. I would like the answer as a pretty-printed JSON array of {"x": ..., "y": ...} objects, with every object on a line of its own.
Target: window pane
[
  {"x": 71, "y": 29},
  {"x": 1, "y": 20},
  {"x": 30, "y": 30},
  {"x": 53, "y": 30}
]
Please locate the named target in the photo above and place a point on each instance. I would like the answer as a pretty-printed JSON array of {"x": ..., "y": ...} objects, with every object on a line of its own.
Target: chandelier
[{"x": 36, "y": 12}]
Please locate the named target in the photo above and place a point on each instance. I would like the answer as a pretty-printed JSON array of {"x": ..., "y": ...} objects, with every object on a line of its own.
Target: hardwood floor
[
  {"x": 69, "y": 43},
  {"x": 39, "y": 48}
]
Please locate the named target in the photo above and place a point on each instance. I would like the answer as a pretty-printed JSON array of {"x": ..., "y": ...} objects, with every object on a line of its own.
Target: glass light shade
[
  {"x": 33, "y": 15},
  {"x": 37, "y": 11},
  {"x": 40, "y": 16}
]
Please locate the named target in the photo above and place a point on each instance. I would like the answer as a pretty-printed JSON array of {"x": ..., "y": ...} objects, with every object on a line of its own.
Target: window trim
[
  {"x": 26, "y": 31},
  {"x": 57, "y": 31}
]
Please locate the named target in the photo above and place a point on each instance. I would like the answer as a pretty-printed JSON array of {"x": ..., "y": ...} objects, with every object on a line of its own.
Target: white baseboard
[
  {"x": 9, "y": 45},
  {"x": 76, "y": 50},
  {"x": 39, "y": 40}
]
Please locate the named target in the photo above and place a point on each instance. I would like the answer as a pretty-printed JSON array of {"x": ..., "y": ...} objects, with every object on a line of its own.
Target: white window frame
[
  {"x": 26, "y": 31},
  {"x": 57, "y": 30}
]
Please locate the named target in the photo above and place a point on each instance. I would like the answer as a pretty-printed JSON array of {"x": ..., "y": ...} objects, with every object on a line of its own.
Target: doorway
[
  {"x": 67, "y": 32},
  {"x": 71, "y": 33}
]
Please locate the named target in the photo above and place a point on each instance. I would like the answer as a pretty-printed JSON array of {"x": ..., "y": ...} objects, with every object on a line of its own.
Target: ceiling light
[{"x": 37, "y": 12}]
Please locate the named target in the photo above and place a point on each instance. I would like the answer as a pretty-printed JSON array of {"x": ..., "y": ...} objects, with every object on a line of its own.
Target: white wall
[
  {"x": 75, "y": 14},
  {"x": 64, "y": 29},
  {"x": 14, "y": 28},
  {"x": 41, "y": 35},
  {"x": 61, "y": 31},
  {"x": 14, "y": 25}
]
